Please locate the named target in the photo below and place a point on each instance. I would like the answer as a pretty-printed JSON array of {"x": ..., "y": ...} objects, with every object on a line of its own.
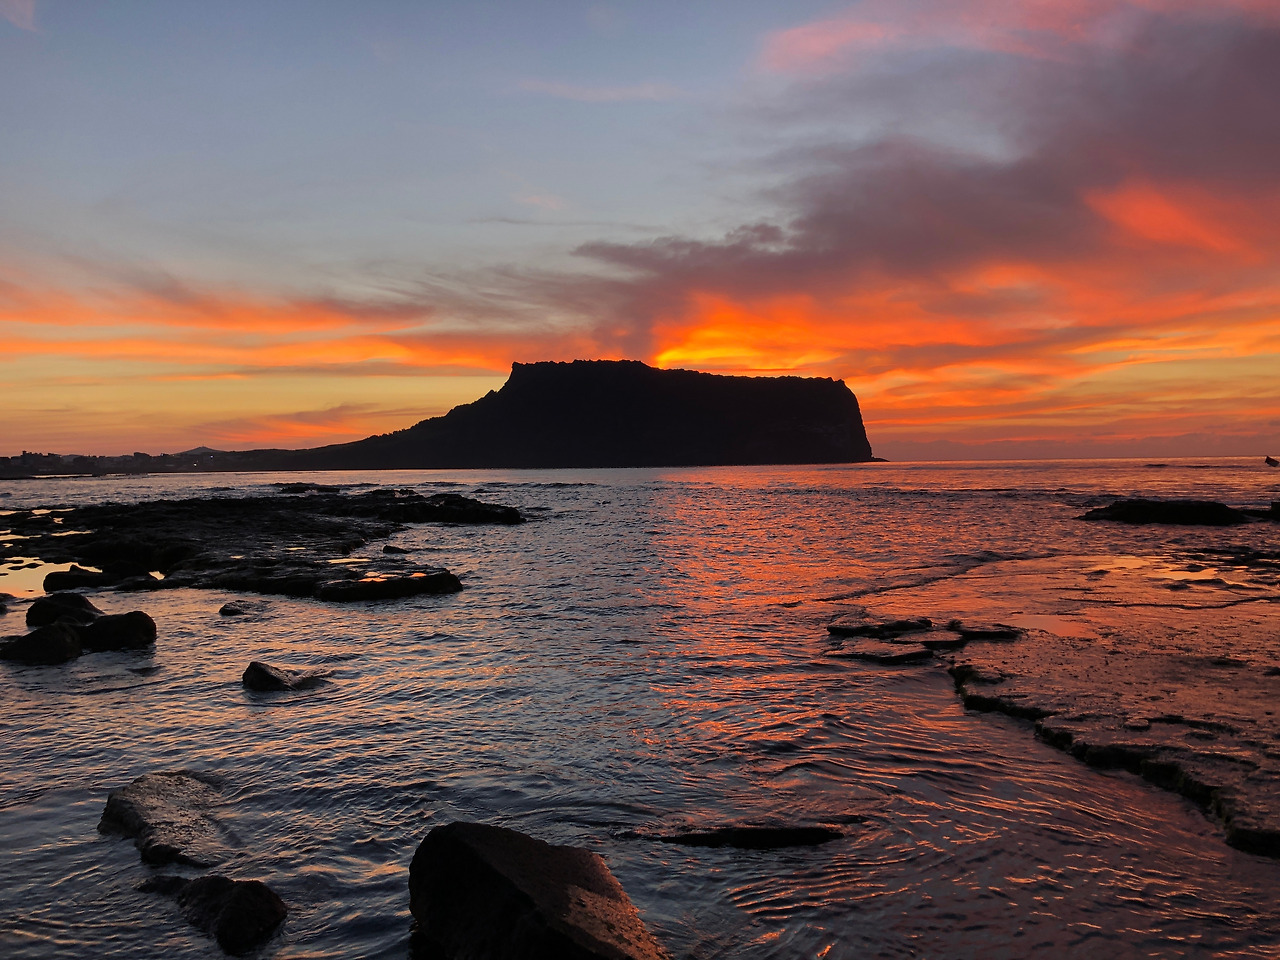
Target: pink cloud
[{"x": 21, "y": 13}]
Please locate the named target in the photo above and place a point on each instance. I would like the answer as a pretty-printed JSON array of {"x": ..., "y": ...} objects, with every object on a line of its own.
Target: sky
[{"x": 1015, "y": 228}]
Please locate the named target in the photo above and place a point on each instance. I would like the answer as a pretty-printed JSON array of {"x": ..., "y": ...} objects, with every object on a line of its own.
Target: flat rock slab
[
  {"x": 480, "y": 892},
  {"x": 886, "y": 653},
  {"x": 240, "y": 914},
  {"x": 971, "y": 630},
  {"x": 265, "y": 677},
  {"x": 879, "y": 629},
  {"x": 169, "y": 815}
]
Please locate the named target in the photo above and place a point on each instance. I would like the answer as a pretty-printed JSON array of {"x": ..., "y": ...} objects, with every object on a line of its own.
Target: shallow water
[{"x": 646, "y": 653}]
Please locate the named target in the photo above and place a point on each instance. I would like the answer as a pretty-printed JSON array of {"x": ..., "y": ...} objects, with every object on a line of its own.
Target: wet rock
[
  {"x": 886, "y": 653},
  {"x": 480, "y": 891},
  {"x": 134, "y": 630},
  {"x": 239, "y": 914},
  {"x": 944, "y": 642},
  {"x": 61, "y": 606},
  {"x": 77, "y": 576},
  {"x": 241, "y": 608},
  {"x": 51, "y": 644},
  {"x": 426, "y": 580},
  {"x": 275, "y": 544},
  {"x": 1179, "y": 512},
  {"x": 754, "y": 838},
  {"x": 168, "y": 815},
  {"x": 392, "y": 548},
  {"x": 264, "y": 677},
  {"x": 882, "y": 629},
  {"x": 986, "y": 631}
]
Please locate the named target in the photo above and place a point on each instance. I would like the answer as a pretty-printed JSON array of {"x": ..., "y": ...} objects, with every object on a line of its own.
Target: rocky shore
[
  {"x": 292, "y": 544},
  {"x": 1166, "y": 667}
]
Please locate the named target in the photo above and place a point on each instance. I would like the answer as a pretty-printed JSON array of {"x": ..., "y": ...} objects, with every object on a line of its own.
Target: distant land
[{"x": 584, "y": 414}]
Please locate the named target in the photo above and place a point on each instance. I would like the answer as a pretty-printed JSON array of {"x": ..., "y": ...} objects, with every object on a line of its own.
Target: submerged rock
[
  {"x": 1207, "y": 513},
  {"x": 239, "y": 914},
  {"x": 168, "y": 815},
  {"x": 264, "y": 677},
  {"x": 61, "y": 606},
  {"x": 48, "y": 645},
  {"x": 754, "y": 838},
  {"x": 479, "y": 891}
]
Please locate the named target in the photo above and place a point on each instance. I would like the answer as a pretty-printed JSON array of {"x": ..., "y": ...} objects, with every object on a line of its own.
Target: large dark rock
[
  {"x": 239, "y": 914},
  {"x": 134, "y": 630},
  {"x": 1207, "y": 513},
  {"x": 264, "y": 677},
  {"x": 169, "y": 816},
  {"x": 61, "y": 606},
  {"x": 480, "y": 892},
  {"x": 51, "y": 644},
  {"x": 619, "y": 413}
]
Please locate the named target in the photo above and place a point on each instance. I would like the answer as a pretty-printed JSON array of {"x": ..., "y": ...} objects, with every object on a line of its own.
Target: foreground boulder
[
  {"x": 1208, "y": 513},
  {"x": 265, "y": 677},
  {"x": 239, "y": 914},
  {"x": 480, "y": 892},
  {"x": 169, "y": 816}
]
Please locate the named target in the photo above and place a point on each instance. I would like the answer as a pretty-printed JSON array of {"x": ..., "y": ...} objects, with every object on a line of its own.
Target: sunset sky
[{"x": 1013, "y": 227}]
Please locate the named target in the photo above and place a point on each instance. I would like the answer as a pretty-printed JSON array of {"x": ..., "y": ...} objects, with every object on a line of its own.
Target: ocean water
[{"x": 648, "y": 653}]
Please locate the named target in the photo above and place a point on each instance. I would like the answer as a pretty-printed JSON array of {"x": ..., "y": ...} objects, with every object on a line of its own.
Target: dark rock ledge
[
  {"x": 479, "y": 891},
  {"x": 291, "y": 544}
]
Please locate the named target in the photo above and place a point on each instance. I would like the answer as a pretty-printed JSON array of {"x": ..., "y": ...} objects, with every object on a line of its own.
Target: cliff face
[{"x": 622, "y": 413}]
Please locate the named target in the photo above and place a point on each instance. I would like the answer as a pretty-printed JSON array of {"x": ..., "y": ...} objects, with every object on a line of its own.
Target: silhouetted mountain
[
  {"x": 588, "y": 413},
  {"x": 622, "y": 413}
]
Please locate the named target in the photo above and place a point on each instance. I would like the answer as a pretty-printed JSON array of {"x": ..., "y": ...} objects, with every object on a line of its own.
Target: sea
[{"x": 647, "y": 654}]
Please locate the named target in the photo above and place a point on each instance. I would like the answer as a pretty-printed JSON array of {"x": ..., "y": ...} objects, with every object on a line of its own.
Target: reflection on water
[{"x": 646, "y": 654}]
